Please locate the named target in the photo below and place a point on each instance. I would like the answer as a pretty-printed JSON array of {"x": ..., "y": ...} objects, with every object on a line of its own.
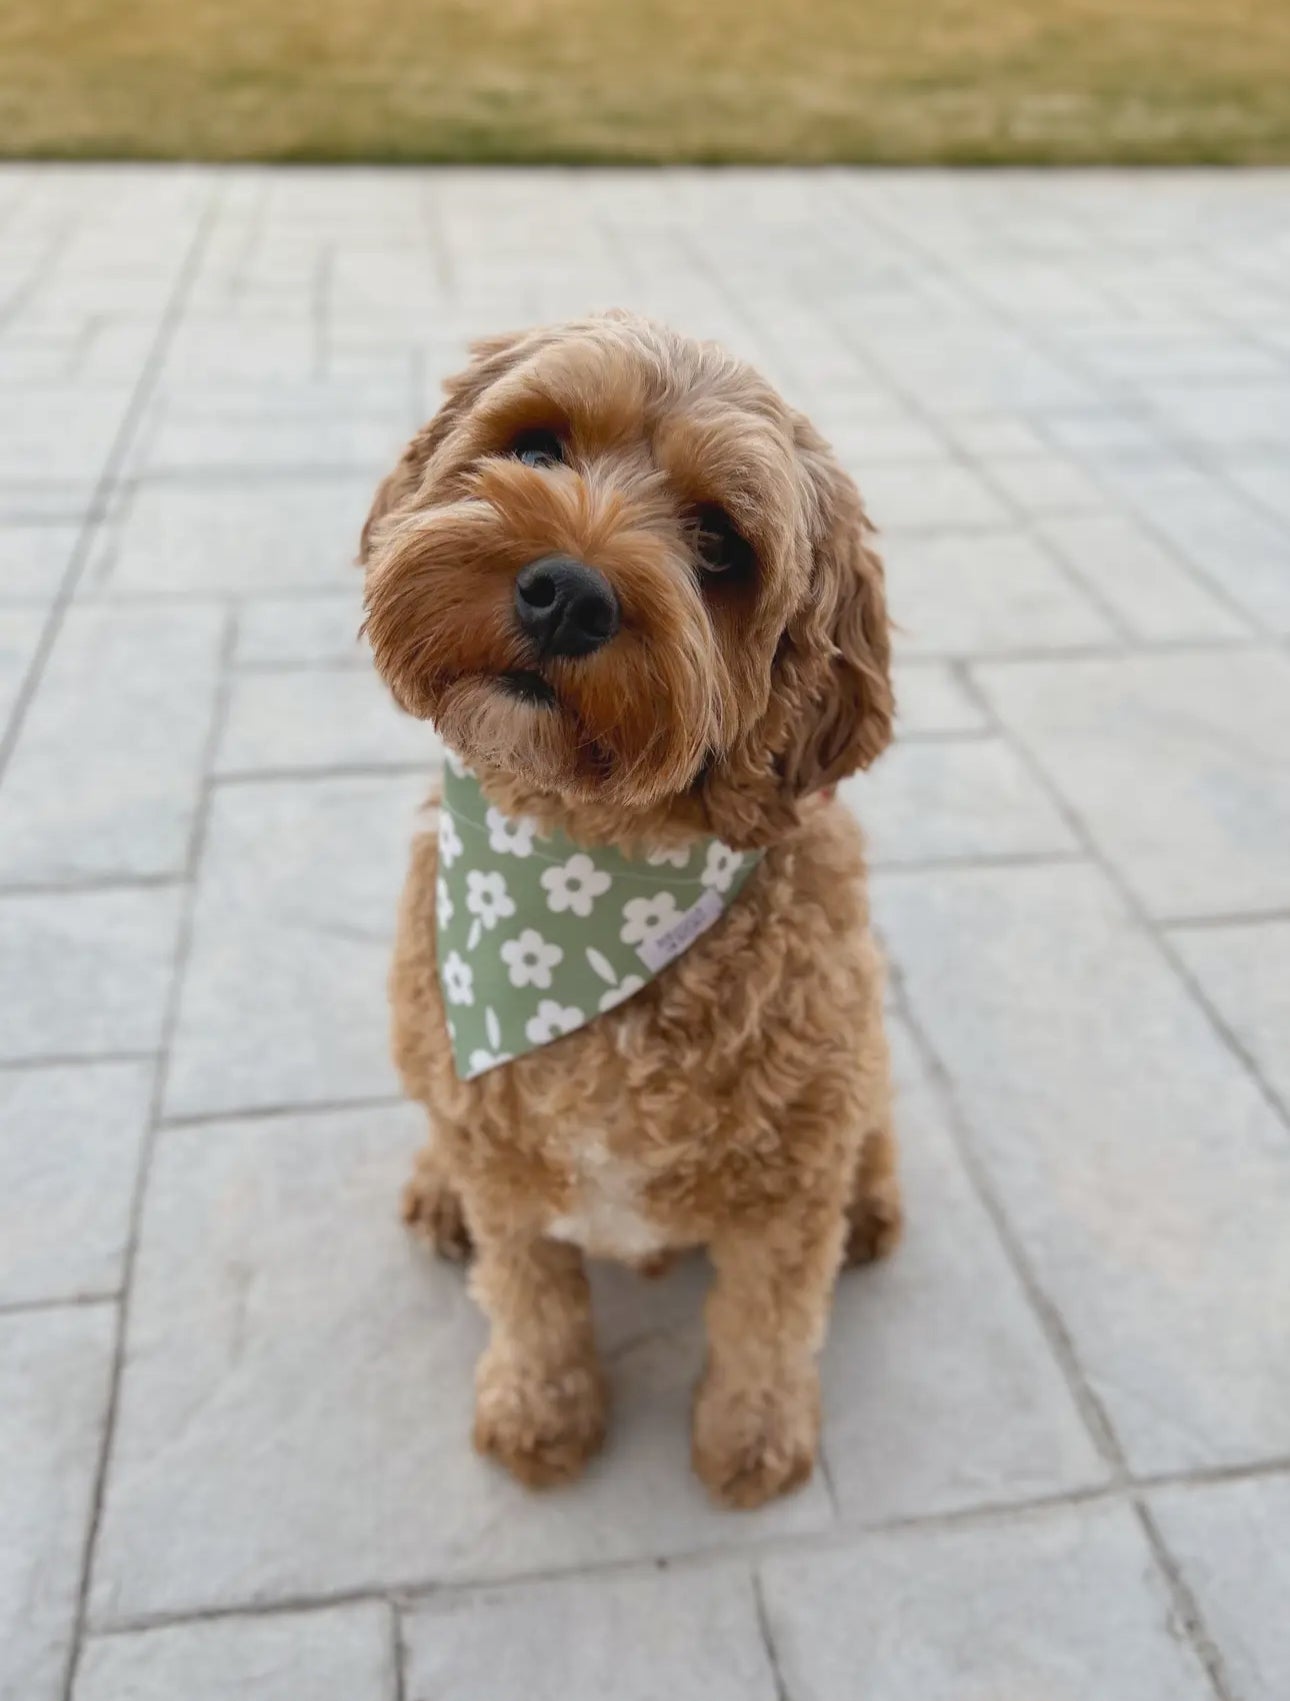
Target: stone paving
[{"x": 233, "y": 1398}]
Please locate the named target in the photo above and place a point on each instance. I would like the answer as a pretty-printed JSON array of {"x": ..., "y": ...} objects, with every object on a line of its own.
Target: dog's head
[{"x": 616, "y": 566}]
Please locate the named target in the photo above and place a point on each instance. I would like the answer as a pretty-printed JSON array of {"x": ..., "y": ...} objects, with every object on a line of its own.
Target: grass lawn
[{"x": 648, "y": 80}]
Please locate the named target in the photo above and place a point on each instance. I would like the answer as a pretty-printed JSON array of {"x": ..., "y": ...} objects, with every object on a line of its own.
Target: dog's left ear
[
  {"x": 835, "y": 659},
  {"x": 490, "y": 357}
]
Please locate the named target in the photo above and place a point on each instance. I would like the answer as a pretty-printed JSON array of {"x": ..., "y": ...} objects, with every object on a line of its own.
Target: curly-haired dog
[{"x": 634, "y": 592}]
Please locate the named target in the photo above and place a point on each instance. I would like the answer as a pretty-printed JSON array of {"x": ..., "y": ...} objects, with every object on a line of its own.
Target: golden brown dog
[{"x": 740, "y": 1100}]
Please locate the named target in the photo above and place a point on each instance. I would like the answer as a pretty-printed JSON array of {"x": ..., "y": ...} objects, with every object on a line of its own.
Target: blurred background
[
  {"x": 1061, "y": 81},
  {"x": 240, "y": 248}
]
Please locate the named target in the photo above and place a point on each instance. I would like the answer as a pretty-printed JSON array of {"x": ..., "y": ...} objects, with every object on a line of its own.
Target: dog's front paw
[
  {"x": 754, "y": 1441},
  {"x": 432, "y": 1207},
  {"x": 543, "y": 1422}
]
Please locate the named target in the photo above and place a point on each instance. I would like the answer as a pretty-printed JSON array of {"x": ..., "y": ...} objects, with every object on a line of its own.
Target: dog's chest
[{"x": 607, "y": 1215}]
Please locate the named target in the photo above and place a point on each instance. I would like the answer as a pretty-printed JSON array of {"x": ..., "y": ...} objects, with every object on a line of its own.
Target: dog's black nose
[{"x": 565, "y": 607}]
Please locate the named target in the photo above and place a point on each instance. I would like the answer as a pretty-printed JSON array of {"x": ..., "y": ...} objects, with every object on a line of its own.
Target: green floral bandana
[{"x": 538, "y": 935}]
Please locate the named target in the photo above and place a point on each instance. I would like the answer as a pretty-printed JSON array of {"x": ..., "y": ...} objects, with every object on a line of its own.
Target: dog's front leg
[
  {"x": 757, "y": 1412},
  {"x": 540, "y": 1400}
]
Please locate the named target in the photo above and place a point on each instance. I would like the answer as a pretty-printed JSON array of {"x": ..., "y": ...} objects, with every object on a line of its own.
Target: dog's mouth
[{"x": 528, "y": 687}]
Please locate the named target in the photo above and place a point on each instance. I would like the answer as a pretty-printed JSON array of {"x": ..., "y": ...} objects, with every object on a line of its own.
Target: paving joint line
[
  {"x": 429, "y": 766},
  {"x": 767, "y": 1636},
  {"x": 1092, "y": 1411},
  {"x": 55, "y": 1302},
  {"x": 270, "y": 1112},
  {"x": 221, "y": 700},
  {"x": 83, "y": 885},
  {"x": 1197, "y": 1632},
  {"x": 167, "y": 330},
  {"x": 412, "y": 1595},
  {"x": 75, "y": 1059},
  {"x": 1222, "y": 918},
  {"x": 986, "y": 859},
  {"x": 399, "y": 1653}
]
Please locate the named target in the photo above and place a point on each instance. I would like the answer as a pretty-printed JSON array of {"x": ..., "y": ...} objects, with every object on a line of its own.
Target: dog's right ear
[{"x": 490, "y": 358}]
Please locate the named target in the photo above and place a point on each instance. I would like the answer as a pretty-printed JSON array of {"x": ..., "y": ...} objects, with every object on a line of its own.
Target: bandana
[{"x": 538, "y": 935}]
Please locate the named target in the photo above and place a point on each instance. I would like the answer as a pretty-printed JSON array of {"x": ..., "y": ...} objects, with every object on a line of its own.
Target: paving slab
[
  {"x": 1229, "y": 1542},
  {"x": 1242, "y": 551},
  {"x": 54, "y": 1372},
  {"x": 935, "y": 1399},
  {"x": 1043, "y": 484},
  {"x": 291, "y": 631},
  {"x": 343, "y": 1653},
  {"x": 20, "y": 630},
  {"x": 1178, "y": 765},
  {"x": 61, "y": 434},
  {"x": 320, "y": 718},
  {"x": 1244, "y": 970},
  {"x": 1094, "y": 1089},
  {"x": 931, "y": 699},
  {"x": 1265, "y": 480},
  {"x": 33, "y": 560},
  {"x": 85, "y": 973},
  {"x": 929, "y": 496},
  {"x": 284, "y": 999},
  {"x": 70, "y": 1145},
  {"x": 967, "y": 593},
  {"x": 105, "y": 776},
  {"x": 1153, "y": 592},
  {"x": 322, "y": 441},
  {"x": 1067, "y": 1605},
  {"x": 618, "y": 1639},
  {"x": 236, "y": 536},
  {"x": 955, "y": 799}
]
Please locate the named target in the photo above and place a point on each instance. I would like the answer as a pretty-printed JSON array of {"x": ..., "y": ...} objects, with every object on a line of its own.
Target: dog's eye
[
  {"x": 721, "y": 547},
  {"x": 538, "y": 449}
]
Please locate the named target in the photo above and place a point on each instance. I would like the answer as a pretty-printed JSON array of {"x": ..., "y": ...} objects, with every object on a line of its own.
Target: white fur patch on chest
[{"x": 607, "y": 1219}]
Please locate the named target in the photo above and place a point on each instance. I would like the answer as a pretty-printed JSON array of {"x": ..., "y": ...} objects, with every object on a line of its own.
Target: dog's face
[{"x": 619, "y": 568}]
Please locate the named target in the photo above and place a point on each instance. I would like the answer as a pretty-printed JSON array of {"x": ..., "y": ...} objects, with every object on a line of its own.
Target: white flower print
[
  {"x": 645, "y": 917},
  {"x": 575, "y": 885},
  {"x": 450, "y": 845},
  {"x": 455, "y": 763},
  {"x": 458, "y": 979},
  {"x": 507, "y": 837},
  {"x": 530, "y": 959},
  {"x": 552, "y": 1020},
  {"x": 443, "y": 904},
  {"x": 721, "y": 867},
  {"x": 487, "y": 897},
  {"x": 620, "y": 993},
  {"x": 677, "y": 856}
]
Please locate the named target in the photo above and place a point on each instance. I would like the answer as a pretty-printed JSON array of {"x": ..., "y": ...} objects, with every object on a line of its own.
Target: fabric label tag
[{"x": 659, "y": 950}]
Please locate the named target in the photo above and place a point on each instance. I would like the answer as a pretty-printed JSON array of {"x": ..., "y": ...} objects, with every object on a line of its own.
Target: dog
[{"x": 637, "y": 597}]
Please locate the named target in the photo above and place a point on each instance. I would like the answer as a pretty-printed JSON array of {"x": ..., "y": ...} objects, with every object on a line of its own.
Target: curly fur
[{"x": 740, "y": 1102}]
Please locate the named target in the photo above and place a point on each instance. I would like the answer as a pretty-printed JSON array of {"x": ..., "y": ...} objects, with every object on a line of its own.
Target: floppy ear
[
  {"x": 830, "y": 706},
  {"x": 490, "y": 357},
  {"x": 835, "y": 659}
]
